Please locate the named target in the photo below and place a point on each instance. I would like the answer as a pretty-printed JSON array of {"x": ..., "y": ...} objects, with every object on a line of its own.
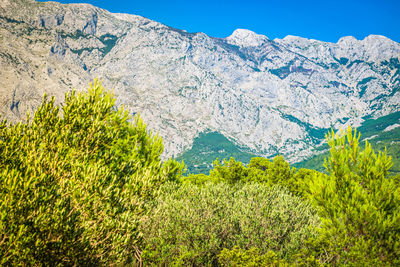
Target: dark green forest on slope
[
  {"x": 207, "y": 147},
  {"x": 81, "y": 184},
  {"x": 372, "y": 130}
]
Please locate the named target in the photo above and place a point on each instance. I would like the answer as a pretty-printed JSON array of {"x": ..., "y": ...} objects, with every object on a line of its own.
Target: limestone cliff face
[{"x": 267, "y": 95}]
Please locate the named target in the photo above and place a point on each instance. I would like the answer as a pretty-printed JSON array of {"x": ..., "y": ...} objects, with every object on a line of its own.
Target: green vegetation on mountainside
[
  {"x": 209, "y": 146},
  {"x": 372, "y": 130}
]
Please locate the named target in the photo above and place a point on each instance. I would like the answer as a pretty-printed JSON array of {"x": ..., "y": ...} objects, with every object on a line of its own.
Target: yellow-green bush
[
  {"x": 252, "y": 257},
  {"x": 75, "y": 181},
  {"x": 191, "y": 224}
]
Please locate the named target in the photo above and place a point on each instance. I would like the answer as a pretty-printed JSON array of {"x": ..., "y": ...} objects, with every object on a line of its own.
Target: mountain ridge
[{"x": 266, "y": 95}]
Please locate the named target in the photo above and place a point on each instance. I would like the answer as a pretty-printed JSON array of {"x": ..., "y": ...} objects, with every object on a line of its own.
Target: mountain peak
[
  {"x": 293, "y": 37},
  {"x": 243, "y": 37},
  {"x": 347, "y": 40},
  {"x": 377, "y": 37},
  {"x": 379, "y": 40}
]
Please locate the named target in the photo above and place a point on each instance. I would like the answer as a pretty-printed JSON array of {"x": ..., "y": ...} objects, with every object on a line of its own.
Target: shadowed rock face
[{"x": 267, "y": 95}]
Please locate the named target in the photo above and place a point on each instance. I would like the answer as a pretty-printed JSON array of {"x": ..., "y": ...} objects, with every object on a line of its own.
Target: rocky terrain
[{"x": 267, "y": 96}]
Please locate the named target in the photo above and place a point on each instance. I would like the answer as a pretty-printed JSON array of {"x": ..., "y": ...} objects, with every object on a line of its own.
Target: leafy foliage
[
  {"x": 260, "y": 170},
  {"x": 250, "y": 257},
  {"x": 190, "y": 225},
  {"x": 359, "y": 205},
  {"x": 231, "y": 171},
  {"x": 74, "y": 182}
]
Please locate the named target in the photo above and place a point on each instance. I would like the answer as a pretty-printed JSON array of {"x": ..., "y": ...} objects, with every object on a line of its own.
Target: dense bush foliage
[
  {"x": 74, "y": 182},
  {"x": 190, "y": 225},
  {"x": 249, "y": 258},
  {"x": 260, "y": 170}
]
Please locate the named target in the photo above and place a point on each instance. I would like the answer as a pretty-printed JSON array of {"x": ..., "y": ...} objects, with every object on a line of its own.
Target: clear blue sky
[{"x": 325, "y": 20}]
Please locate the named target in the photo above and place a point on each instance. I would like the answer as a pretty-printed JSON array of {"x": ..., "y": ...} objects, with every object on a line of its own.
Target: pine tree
[{"x": 359, "y": 205}]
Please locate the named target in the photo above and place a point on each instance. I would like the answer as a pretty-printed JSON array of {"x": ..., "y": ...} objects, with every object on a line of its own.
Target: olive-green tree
[
  {"x": 277, "y": 171},
  {"x": 231, "y": 171},
  {"x": 75, "y": 181}
]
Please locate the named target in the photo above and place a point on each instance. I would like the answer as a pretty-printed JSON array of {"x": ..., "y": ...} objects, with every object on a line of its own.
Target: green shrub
[
  {"x": 197, "y": 179},
  {"x": 190, "y": 225},
  {"x": 249, "y": 258},
  {"x": 359, "y": 206},
  {"x": 230, "y": 172},
  {"x": 279, "y": 172},
  {"x": 260, "y": 170},
  {"x": 74, "y": 183}
]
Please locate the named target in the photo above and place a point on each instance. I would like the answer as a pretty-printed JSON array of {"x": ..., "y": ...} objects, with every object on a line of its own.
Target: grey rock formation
[{"x": 266, "y": 95}]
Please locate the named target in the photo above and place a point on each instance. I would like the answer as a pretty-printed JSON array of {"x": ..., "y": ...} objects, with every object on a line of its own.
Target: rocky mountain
[{"x": 267, "y": 96}]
